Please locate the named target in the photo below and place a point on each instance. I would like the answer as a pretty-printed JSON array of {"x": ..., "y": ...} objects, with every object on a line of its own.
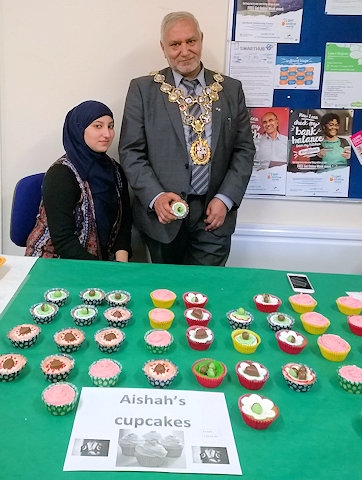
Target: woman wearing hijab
[{"x": 85, "y": 209}]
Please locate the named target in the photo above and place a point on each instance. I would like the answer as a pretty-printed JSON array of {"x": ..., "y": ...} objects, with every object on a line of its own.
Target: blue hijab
[{"x": 95, "y": 168}]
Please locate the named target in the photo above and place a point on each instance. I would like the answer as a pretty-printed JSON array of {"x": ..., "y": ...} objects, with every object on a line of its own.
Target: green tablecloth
[{"x": 317, "y": 436}]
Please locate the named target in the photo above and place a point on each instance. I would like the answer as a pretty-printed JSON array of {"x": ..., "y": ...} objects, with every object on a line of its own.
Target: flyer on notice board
[{"x": 138, "y": 429}]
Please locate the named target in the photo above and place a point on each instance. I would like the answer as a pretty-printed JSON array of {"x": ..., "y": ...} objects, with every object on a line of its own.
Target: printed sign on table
[{"x": 152, "y": 430}]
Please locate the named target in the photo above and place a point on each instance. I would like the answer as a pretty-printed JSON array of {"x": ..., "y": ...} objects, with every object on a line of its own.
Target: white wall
[{"x": 55, "y": 54}]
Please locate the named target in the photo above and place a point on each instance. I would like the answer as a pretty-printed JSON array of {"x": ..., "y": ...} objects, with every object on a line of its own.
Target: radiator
[{"x": 297, "y": 249}]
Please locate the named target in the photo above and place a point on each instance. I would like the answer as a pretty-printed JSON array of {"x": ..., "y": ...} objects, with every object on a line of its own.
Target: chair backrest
[{"x": 25, "y": 207}]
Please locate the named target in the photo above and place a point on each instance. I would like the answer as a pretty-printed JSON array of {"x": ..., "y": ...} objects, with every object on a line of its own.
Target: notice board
[{"x": 316, "y": 31}]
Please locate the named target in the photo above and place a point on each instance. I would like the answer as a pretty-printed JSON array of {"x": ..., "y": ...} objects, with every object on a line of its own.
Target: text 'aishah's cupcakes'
[
  {"x": 24, "y": 336},
  {"x": 257, "y": 411},
  {"x": 105, "y": 372},
  {"x": 160, "y": 373},
  {"x": 60, "y": 398},
  {"x": 209, "y": 372},
  {"x": 11, "y": 364}
]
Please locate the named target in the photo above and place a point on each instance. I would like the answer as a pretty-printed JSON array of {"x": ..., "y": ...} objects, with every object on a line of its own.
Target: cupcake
[
  {"x": 160, "y": 373},
  {"x": 349, "y": 305},
  {"x": 118, "y": 298},
  {"x": 199, "y": 338},
  {"x": 197, "y": 316},
  {"x": 163, "y": 298},
  {"x": 279, "y": 321},
  {"x": 314, "y": 322},
  {"x": 128, "y": 444},
  {"x": 350, "y": 378},
  {"x": 194, "y": 299},
  {"x": 11, "y": 365},
  {"x": 109, "y": 339},
  {"x": 239, "y": 318},
  {"x": 69, "y": 340},
  {"x": 299, "y": 378},
  {"x": 57, "y": 368},
  {"x": 267, "y": 303},
  {"x": 84, "y": 315},
  {"x": 43, "y": 312},
  {"x": 150, "y": 454},
  {"x": 180, "y": 209},
  {"x": 245, "y": 341},
  {"x": 24, "y": 336},
  {"x": 58, "y": 296},
  {"x": 158, "y": 340},
  {"x": 60, "y": 398},
  {"x": 161, "y": 318},
  {"x": 173, "y": 444},
  {"x": 92, "y": 296},
  {"x": 355, "y": 324},
  {"x": 209, "y": 372},
  {"x": 290, "y": 341},
  {"x": 257, "y": 411},
  {"x": 302, "y": 302},
  {"x": 117, "y": 317},
  {"x": 333, "y": 347},
  {"x": 251, "y": 375},
  {"x": 105, "y": 372}
]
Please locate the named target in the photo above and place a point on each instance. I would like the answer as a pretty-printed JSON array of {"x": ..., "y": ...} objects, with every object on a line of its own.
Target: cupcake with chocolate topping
[
  {"x": 267, "y": 303},
  {"x": 199, "y": 338},
  {"x": 197, "y": 316},
  {"x": 299, "y": 377},
  {"x": 278, "y": 321},
  {"x": 24, "y": 336},
  {"x": 180, "y": 209},
  {"x": 117, "y": 317},
  {"x": 92, "y": 296},
  {"x": 11, "y": 365},
  {"x": 43, "y": 312},
  {"x": 84, "y": 315},
  {"x": 57, "y": 368},
  {"x": 160, "y": 373},
  {"x": 69, "y": 339},
  {"x": 209, "y": 372},
  {"x": 118, "y": 298},
  {"x": 290, "y": 341},
  {"x": 245, "y": 341},
  {"x": 109, "y": 339},
  {"x": 251, "y": 375}
]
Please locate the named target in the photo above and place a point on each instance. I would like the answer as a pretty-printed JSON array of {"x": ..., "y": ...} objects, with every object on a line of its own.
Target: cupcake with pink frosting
[
  {"x": 333, "y": 347},
  {"x": 158, "y": 340},
  {"x": 350, "y": 378},
  {"x": 105, "y": 372},
  {"x": 161, "y": 318},
  {"x": 302, "y": 302},
  {"x": 349, "y": 305},
  {"x": 60, "y": 398},
  {"x": 163, "y": 298},
  {"x": 355, "y": 324},
  {"x": 314, "y": 322}
]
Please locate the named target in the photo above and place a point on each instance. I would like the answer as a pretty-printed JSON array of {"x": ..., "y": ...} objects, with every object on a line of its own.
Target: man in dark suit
[{"x": 186, "y": 136}]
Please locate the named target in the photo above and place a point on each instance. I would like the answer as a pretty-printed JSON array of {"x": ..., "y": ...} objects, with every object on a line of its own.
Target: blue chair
[{"x": 25, "y": 207}]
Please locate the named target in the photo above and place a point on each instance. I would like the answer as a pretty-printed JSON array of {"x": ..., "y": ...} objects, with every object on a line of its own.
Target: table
[{"x": 317, "y": 436}]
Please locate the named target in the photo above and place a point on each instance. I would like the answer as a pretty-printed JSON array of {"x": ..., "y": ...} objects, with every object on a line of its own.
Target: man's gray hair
[{"x": 175, "y": 17}]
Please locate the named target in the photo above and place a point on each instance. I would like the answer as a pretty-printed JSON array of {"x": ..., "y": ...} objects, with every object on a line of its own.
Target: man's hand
[
  {"x": 215, "y": 214},
  {"x": 163, "y": 209}
]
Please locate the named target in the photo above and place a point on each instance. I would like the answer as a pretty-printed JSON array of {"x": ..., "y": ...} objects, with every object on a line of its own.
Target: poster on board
[
  {"x": 345, "y": 7},
  {"x": 270, "y": 132},
  {"x": 268, "y": 20},
  {"x": 320, "y": 152}
]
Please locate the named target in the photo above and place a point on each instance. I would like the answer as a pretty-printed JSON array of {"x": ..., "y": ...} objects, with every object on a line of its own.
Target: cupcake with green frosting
[
  {"x": 56, "y": 295},
  {"x": 245, "y": 341},
  {"x": 239, "y": 318},
  {"x": 92, "y": 296},
  {"x": 209, "y": 372},
  {"x": 84, "y": 314},
  {"x": 43, "y": 312}
]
